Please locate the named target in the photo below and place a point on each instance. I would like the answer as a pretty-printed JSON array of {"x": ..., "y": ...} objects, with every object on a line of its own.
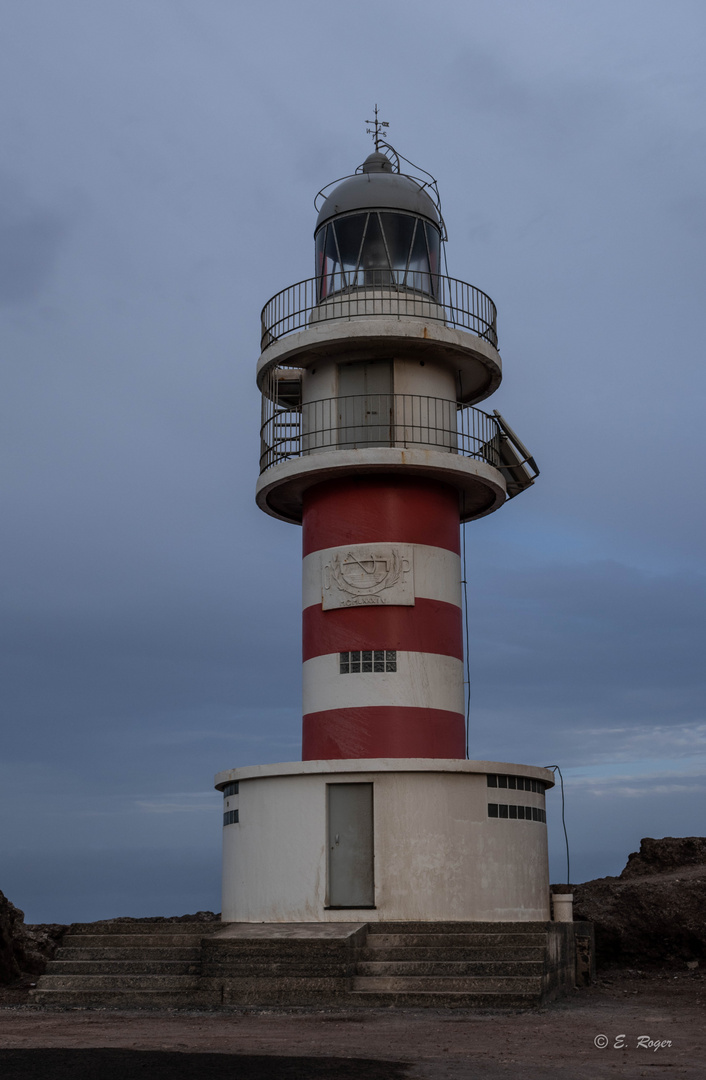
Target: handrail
[
  {"x": 362, "y": 294},
  {"x": 367, "y": 420}
]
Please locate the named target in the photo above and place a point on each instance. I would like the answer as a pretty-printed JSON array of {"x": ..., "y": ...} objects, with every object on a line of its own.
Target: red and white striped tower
[{"x": 370, "y": 373}]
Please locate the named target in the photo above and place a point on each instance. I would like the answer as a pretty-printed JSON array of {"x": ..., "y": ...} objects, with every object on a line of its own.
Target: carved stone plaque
[{"x": 366, "y": 575}]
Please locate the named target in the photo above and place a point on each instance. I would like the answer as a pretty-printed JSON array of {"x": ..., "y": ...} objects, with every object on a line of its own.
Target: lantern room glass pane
[
  {"x": 349, "y": 233},
  {"x": 433, "y": 243},
  {"x": 418, "y": 274},
  {"x": 375, "y": 263},
  {"x": 398, "y": 230}
]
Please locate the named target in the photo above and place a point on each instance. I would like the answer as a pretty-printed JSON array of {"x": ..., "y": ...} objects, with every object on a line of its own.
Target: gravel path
[{"x": 553, "y": 1043}]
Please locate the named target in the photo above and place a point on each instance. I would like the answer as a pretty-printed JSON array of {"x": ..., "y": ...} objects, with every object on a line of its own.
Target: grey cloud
[{"x": 30, "y": 240}]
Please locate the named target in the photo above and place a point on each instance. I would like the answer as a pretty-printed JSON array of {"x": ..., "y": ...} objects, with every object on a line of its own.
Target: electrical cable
[{"x": 563, "y": 821}]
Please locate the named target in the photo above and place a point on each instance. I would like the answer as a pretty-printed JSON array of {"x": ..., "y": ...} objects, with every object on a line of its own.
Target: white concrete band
[
  {"x": 422, "y": 681},
  {"x": 476, "y": 361},
  {"x": 437, "y": 572}
]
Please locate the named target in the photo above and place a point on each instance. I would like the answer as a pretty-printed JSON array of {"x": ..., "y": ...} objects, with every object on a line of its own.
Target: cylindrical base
[{"x": 405, "y": 840}]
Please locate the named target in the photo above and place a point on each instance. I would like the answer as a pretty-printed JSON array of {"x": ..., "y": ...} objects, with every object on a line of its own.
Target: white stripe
[
  {"x": 437, "y": 573},
  {"x": 422, "y": 681}
]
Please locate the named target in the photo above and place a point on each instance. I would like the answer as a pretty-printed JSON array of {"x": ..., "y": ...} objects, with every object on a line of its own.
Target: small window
[
  {"x": 513, "y": 811},
  {"x": 367, "y": 660},
  {"x": 502, "y": 781},
  {"x": 492, "y": 809},
  {"x": 230, "y": 789},
  {"x": 492, "y": 780},
  {"x": 521, "y": 813},
  {"x": 503, "y": 811},
  {"x": 512, "y": 782},
  {"x": 528, "y": 813},
  {"x": 230, "y": 817}
]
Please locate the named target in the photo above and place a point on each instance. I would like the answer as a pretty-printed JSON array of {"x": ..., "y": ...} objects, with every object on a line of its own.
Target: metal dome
[{"x": 378, "y": 187}]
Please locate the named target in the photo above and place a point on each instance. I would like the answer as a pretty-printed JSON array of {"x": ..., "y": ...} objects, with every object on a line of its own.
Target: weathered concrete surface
[{"x": 456, "y": 965}]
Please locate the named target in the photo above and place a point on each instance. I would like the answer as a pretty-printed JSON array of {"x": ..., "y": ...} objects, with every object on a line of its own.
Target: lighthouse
[{"x": 373, "y": 444}]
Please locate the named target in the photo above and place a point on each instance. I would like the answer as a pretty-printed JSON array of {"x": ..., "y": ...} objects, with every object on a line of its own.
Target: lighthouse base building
[{"x": 403, "y": 840}]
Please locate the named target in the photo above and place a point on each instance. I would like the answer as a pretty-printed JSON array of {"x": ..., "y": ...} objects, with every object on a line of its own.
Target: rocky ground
[
  {"x": 644, "y": 1015},
  {"x": 654, "y": 912}
]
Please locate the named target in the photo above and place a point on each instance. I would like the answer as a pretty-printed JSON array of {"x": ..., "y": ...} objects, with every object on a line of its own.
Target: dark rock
[
  {"x": 24, "y": 949},
  {"x": 654, "y": 911},
  {"x": 669, "y": 853},
  {"x": 198, "y": 916},
  {"x": 37, "y": 945},
  {"x": 10, "y": 918}
]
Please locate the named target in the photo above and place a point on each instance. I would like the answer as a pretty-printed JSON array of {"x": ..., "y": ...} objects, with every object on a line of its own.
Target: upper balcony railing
[
  {"x": 373, "y": 420},
  {"x": 356, "y": 294}
]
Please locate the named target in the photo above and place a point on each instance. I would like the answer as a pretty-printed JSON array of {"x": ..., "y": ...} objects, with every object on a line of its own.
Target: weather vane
[{"x": 376, "y": 132}]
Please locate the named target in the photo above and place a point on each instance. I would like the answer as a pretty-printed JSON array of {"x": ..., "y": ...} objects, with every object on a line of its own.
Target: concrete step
[
  {"x": 454, "y": 928},
  {"x": 500, "y": 953},
  {"x": 136, "y": 999},
  {"x": 453, "y": 941},
  {"x": 131, "y": 941},
  {"x": 136, "y": 966},
  {"x": 446, "y": 984},
  {"x": 453, "y": 968},
  {"x": 125, "y": 982},
  {"x": 198, "y": 929},
  {"x": 455, "y": 999},
  {"x": 119, "y": 952}
]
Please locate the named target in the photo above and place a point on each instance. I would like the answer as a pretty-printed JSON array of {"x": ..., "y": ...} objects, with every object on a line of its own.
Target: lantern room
[{"x": 378, "y": 228}]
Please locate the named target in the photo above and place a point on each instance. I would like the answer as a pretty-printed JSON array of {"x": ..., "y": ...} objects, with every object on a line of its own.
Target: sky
[{"x": 159, "y": 164}]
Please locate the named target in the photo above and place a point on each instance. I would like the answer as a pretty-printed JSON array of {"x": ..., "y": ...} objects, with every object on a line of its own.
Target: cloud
[{"x": 30, "y": 240}]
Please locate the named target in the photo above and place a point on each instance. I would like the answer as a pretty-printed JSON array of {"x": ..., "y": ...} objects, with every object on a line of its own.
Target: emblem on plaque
[{"x": 367, "y": 574}]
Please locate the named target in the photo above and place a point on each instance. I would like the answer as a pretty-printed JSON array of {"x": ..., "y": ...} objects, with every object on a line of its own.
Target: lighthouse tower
[{"x": 371, "y": 372}]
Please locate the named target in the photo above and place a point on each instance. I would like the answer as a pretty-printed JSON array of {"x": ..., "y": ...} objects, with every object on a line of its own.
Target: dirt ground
[{"x": 628, "y": 1024}]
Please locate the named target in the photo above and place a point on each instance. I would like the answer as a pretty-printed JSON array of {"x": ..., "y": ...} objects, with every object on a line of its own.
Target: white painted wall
[
  {"x": 422, "y": 681},
  {"x": 432, "y": 379},
  {"x": 437, "y": 854}
]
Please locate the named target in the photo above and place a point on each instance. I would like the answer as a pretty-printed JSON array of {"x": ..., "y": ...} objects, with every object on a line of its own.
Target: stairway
[
  {"x": 149, "y": 964},
  {"x": 205, "y": 965},
  {"x": 468, "y": 965}
]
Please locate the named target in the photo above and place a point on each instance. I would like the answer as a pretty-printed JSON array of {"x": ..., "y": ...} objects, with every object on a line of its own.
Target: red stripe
[
  {"x": 367, "y": 509},
  {"x": 431, "y": 626},
  {"x": 383, "y": 731}
]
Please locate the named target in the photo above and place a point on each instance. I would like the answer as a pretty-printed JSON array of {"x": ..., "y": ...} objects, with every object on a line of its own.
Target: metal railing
[
  {"x": 407, "y": 421},
  {"x": 356, "y": 294}
]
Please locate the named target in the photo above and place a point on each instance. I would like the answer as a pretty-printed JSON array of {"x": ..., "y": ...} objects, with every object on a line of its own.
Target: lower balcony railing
[{"x": 408, "y": 421}]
